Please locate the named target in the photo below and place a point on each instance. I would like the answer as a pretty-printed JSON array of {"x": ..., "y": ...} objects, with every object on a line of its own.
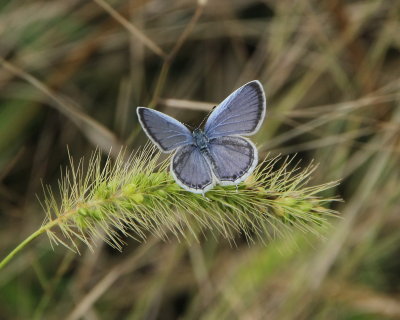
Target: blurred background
[{"x": 71, "y": 75}]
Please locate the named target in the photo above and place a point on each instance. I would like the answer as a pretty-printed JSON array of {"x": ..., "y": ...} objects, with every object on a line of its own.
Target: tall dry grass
[{"x": 73, "y": 72}]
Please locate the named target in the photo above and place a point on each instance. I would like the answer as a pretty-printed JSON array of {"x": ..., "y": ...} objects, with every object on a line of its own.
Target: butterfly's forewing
[
  {"x": 166, "y": 132},
  {"x": 191, "y": 170},
  {"x": 233, "y": 159},
  {"x": 241, "y": 113}
]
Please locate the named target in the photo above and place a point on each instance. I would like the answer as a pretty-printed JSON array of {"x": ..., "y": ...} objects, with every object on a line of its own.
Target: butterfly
[{"x": 218, "y": 154}]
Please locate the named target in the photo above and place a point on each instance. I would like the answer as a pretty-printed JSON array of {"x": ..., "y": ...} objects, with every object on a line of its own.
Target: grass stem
[{"x": 24, "y": 243}]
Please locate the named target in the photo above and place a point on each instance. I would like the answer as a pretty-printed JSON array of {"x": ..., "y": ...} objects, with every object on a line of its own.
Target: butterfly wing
[
  {"x": 241, "y": 113},
  {"x": 191, "y": 170},
  {"x": 233, "y": 159},
  {"x": 166, "y": 132}
]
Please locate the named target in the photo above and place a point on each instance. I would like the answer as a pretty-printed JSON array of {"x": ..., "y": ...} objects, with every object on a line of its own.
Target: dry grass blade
[
  {"x": 93, "y": 130},
  {"x": 187, "y": 104},
  {"x": 131, "y": 28},
  {"x": 170, "y": 57},
  {"x": 129, "y": 265},
  {"x": 364, "y": 298}
]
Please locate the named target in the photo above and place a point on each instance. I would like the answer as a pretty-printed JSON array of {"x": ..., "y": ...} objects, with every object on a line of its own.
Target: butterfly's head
[{"x": 197, "y": 132}]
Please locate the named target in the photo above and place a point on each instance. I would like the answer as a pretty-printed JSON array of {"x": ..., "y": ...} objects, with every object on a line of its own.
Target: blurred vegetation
[{"x": 72, "y": 73}]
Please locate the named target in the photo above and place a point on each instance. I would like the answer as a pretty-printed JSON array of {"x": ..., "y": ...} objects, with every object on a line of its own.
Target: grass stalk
[
  {"x": 135, "y": 196},
  {"x": 24, "y": 243}
]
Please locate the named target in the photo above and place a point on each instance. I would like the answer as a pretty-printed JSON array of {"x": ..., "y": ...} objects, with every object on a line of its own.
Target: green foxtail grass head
[{"x": 136, "y": 196}]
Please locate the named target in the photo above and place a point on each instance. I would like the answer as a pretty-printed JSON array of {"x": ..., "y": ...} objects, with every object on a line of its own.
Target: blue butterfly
[{"x": 217, "y": 154}]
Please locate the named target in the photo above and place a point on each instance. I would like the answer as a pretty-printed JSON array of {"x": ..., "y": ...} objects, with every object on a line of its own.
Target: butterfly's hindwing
[
  {"x": 241, "y": 113},
  {"x": 166, "y": 132},
  {"x": 191, "y": 170},
  {"x": 233, "y": 159}
]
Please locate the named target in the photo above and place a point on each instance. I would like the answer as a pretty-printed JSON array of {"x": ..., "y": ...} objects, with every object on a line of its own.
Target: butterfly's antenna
[
  {"x": 188, "y": 125},
  {"x": 205, "y": 118}
]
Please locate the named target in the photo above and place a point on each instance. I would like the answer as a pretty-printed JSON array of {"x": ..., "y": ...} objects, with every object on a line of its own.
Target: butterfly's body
[
  {"x": 217, "y": 154},
  {"x": 200, "y": 140}
]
